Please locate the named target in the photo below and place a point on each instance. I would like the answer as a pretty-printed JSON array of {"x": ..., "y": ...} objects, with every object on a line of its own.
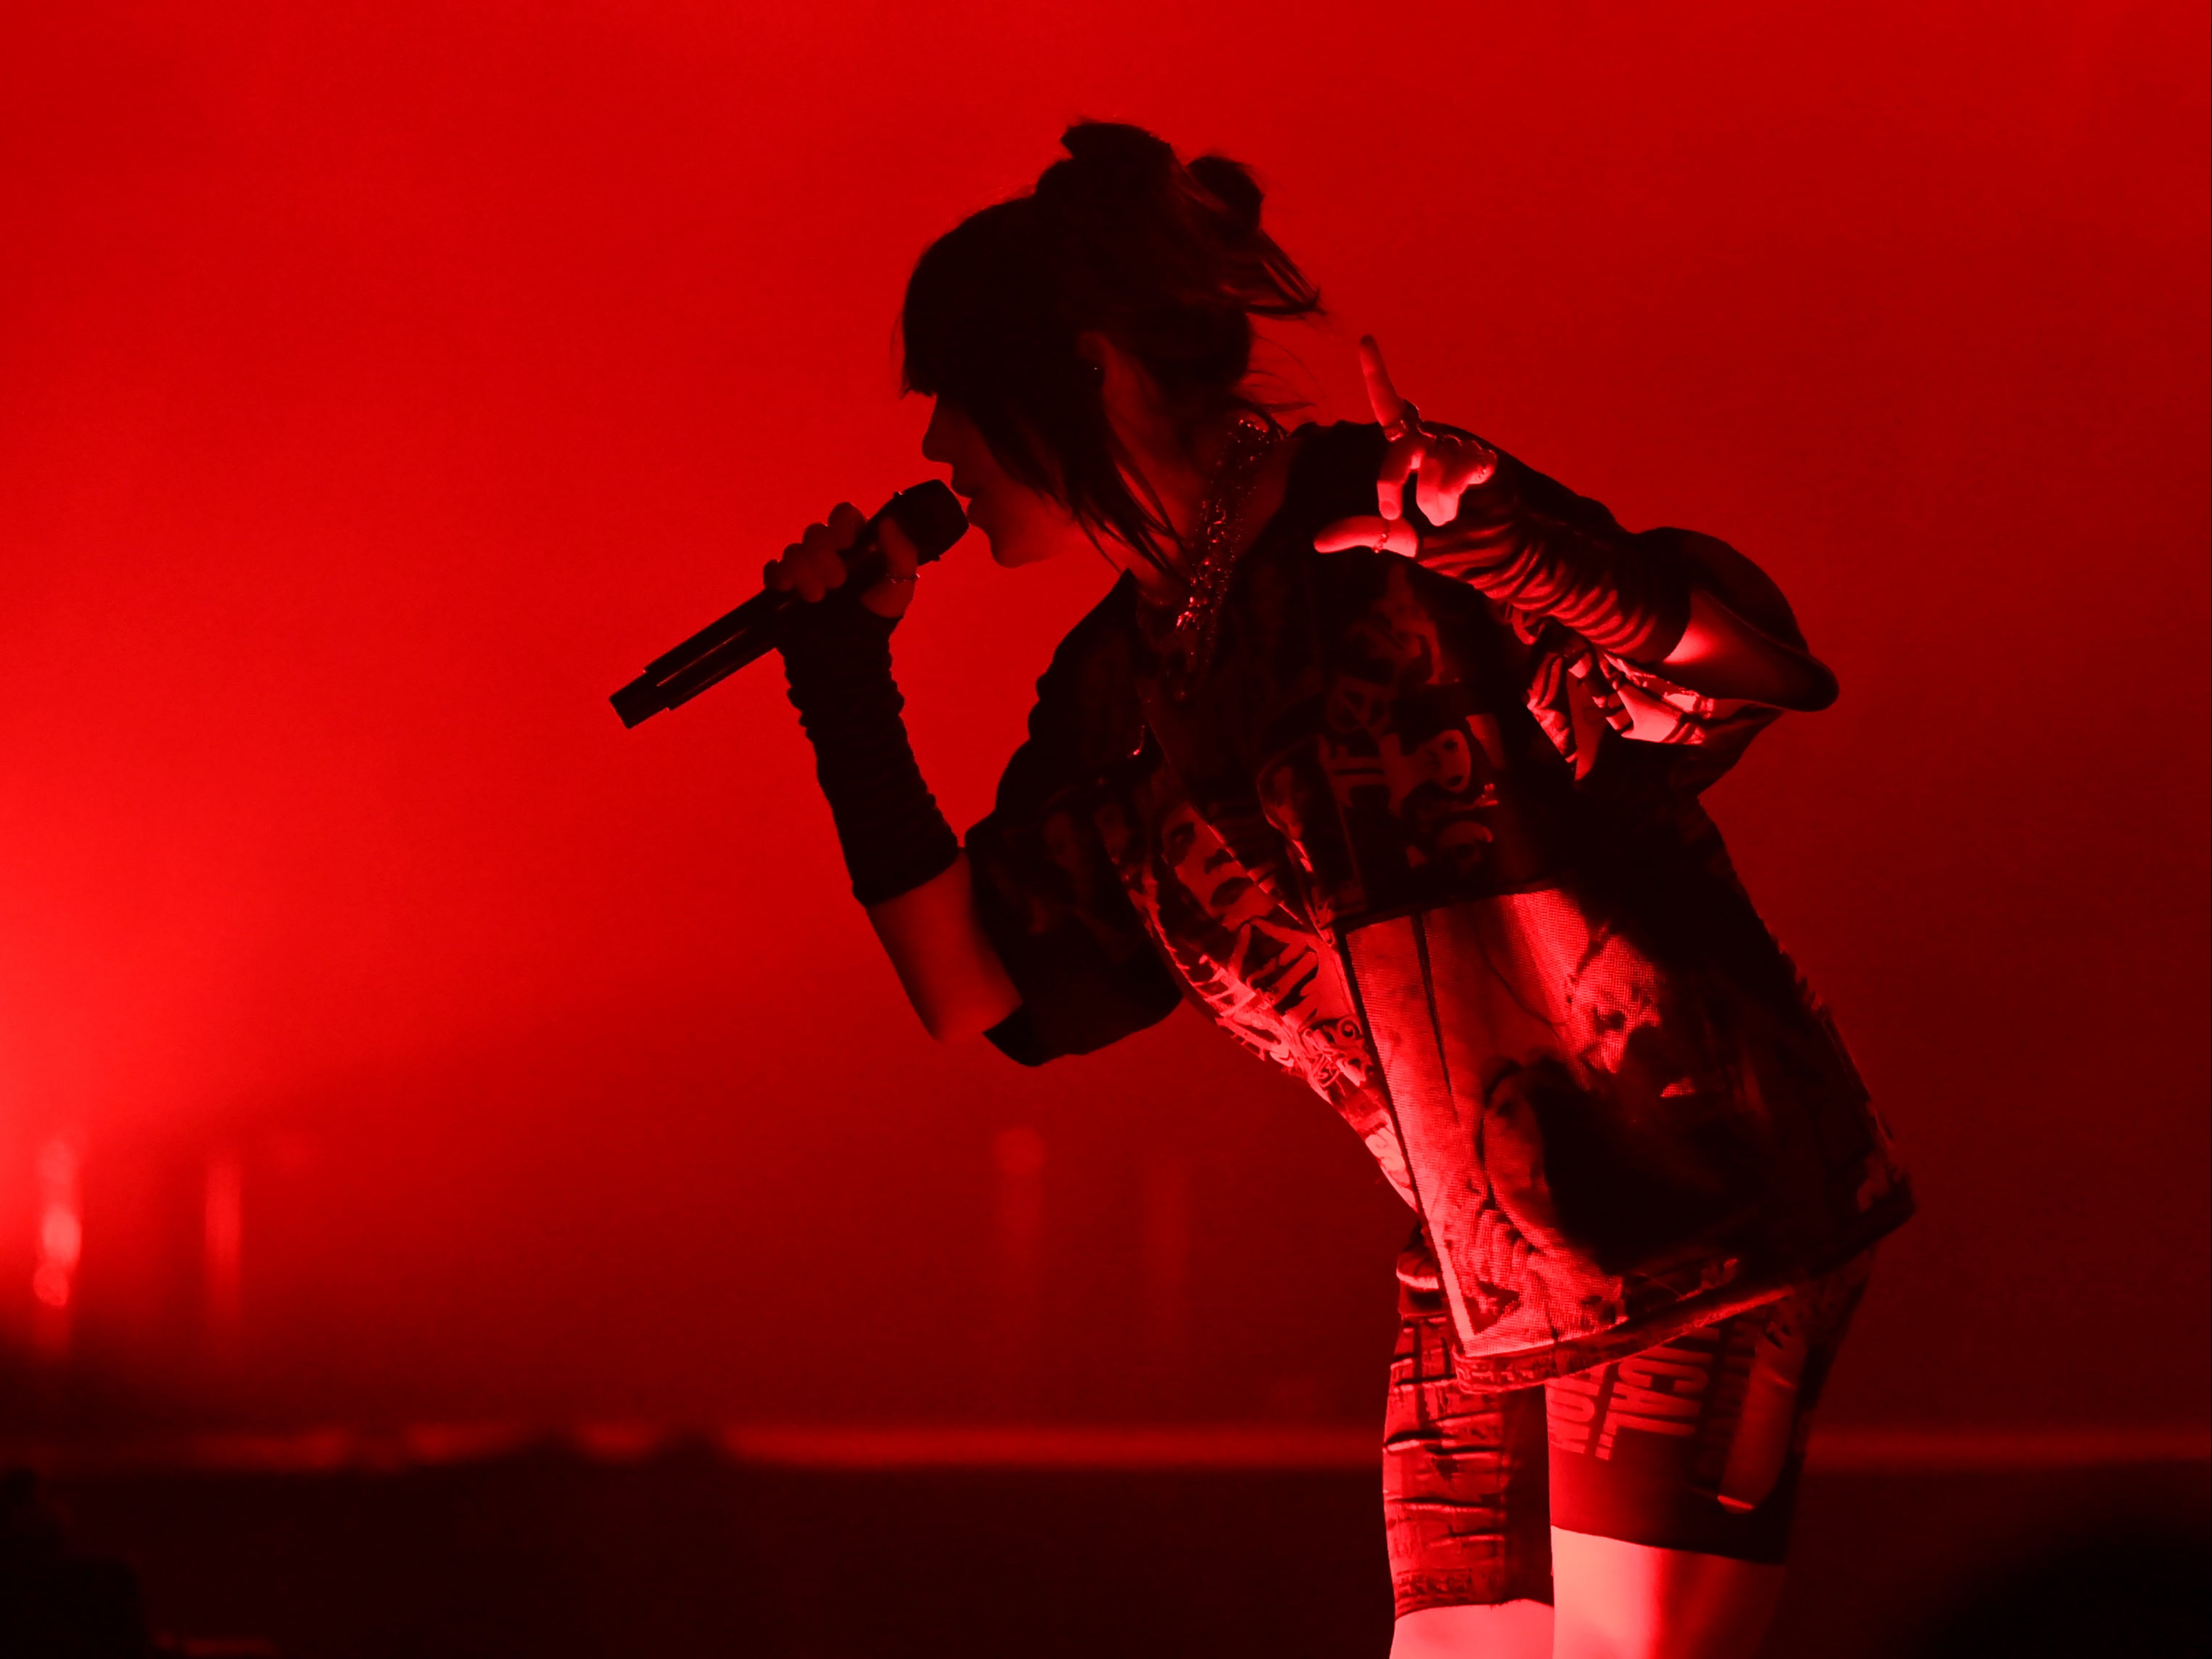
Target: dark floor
[{"x": 552, "y": 1555}]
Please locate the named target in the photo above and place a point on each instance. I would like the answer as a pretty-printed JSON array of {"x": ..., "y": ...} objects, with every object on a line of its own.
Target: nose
[{"x": 934, "y": 445}]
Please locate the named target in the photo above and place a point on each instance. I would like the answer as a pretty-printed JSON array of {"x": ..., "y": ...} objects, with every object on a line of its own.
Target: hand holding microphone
[
  {"x": 914, "y": 527},
  {"x": 817, "y": 565}
]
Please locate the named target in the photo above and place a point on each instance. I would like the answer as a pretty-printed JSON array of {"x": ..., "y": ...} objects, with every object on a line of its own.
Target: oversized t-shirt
[{"x": 1447, "y": 865}]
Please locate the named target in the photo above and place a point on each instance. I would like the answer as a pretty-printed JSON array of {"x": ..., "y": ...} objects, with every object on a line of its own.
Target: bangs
[
  {"x": 979, "y": 331},
  {"x": 970, "y": 311}
]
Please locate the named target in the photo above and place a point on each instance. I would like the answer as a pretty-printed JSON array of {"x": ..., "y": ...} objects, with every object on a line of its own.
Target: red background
[{"x": 381, "y": 385}]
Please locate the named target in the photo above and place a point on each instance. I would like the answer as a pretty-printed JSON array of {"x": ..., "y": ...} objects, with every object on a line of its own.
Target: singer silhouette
[{"x": 1386, "y": 751}]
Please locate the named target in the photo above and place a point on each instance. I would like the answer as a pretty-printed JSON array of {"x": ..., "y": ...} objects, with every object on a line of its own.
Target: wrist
[{"x": 839, "y": 670}]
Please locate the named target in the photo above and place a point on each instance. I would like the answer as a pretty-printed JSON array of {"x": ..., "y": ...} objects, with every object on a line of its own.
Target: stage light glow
[
  {"x": 60, "y": 1241},
  {"x": 223, "y": 1242}
]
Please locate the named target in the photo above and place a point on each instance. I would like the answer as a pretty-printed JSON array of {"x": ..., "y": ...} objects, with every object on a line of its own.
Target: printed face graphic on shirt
[
  {"x": 1260, "y": 968},
  {"x": 1208, "y": 871},
  {"x": 1413, "y": 761},
  {"x": 1612, "y": 994}
]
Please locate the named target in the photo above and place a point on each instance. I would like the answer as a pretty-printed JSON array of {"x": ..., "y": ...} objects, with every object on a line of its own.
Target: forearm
[
  {"x": 1617, "y": 591},
  {"x": 907, "y": 868},
  {"x": 1543, "y": 554},
  {"x": 950, "y": 970}
]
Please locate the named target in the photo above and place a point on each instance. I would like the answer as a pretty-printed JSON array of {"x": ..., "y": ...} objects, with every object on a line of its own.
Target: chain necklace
[{"x": 1221, "y": 542}]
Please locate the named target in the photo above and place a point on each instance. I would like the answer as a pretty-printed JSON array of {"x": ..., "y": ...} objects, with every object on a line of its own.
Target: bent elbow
[
  {"x": 957, "y": 1026},
  {"x": 1821, "y": 689},
  {"x": 960, "y": 1019}
]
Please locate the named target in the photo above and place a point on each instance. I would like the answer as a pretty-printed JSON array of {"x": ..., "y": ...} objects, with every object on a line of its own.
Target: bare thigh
[
  {"x": 1502, "y": 1629},
  {"x": 1623, "y": 1600}
]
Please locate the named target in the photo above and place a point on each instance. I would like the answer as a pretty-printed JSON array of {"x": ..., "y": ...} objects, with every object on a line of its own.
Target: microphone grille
[{"x": 930, "y": 515}]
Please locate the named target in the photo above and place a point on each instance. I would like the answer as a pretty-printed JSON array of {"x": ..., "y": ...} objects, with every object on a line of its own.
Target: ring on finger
[{"x": 1409, "y": 420}]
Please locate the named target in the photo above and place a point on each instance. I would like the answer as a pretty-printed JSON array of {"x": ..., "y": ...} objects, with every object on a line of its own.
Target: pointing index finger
[{"x": 1383, "y": 397}]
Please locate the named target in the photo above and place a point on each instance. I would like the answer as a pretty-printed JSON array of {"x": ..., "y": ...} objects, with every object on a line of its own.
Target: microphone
[{"x": 930, "y": 515}]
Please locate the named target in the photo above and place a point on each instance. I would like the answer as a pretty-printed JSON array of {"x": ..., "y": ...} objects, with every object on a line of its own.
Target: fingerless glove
[{"x": 837, "y": 661}]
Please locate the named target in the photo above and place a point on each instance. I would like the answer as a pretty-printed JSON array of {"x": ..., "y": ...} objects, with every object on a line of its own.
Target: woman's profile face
[{"x": 1022, "y": 526}]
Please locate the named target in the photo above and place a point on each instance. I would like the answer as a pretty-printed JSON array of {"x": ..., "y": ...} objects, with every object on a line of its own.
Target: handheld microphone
[{"x": 930, "y": 515}]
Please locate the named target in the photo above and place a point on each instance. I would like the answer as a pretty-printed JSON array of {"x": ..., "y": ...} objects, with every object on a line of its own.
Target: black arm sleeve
[
  {"x": 1537, "y": 548},
  {"x": 837, "y": 662}
]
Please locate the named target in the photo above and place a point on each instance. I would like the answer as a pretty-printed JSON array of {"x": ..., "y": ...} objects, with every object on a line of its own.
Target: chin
[{"x": 1011, "y": 553}]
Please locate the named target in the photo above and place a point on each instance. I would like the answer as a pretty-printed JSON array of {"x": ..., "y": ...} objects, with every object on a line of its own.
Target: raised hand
[
  {"x": 815, "y": 564},
  {"x": 1443, "y": 468}
]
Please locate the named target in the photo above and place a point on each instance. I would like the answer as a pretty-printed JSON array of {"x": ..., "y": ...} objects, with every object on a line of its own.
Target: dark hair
[{"x": 1167, "y": 261}]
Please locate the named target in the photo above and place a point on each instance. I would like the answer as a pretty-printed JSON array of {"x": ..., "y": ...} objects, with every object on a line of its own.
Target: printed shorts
[{"x": 1695, "y": 1444}]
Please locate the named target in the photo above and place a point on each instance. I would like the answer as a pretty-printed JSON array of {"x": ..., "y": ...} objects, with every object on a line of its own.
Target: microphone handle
[
  {"x": 756, "y": 640},
  {"x": 757, "y": 613},
  {"x": 753, "y": 635},
  {"x": 727, "y": 644}
]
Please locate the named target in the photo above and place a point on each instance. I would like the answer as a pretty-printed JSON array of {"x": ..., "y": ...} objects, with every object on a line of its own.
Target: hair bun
[
  {"x": 1109, "y": 158},
  {"x": 1233, "y": 183}
]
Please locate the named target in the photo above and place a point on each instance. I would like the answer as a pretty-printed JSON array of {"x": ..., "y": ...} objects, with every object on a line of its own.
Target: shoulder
[
  {"x": 1096, "y": 651},
  {"x": 1086, "y": 704}
]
